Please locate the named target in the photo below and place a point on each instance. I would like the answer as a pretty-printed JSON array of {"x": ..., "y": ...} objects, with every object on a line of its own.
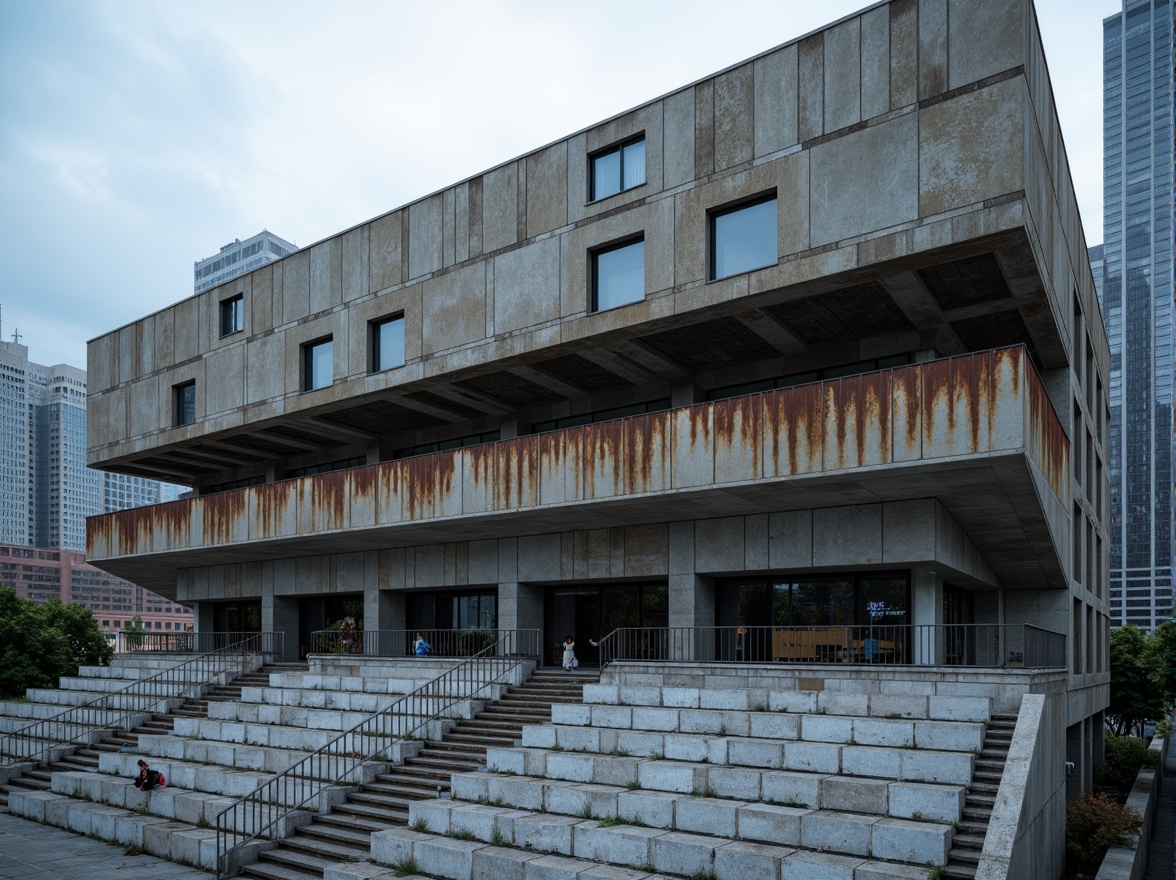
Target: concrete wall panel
[
  {"x": 734, "y": 117},
  {"x": 424, "y": 237},
  {"x": 957, "y": 140},
  {"x": 678, "y": 138},
  {"x": 776, "y": 100},
  {"x": 843, "y": 74},
  {"x": 526, "y": 286},
  {"x": 295, "y": 290},
  {"x": 500, "y": 207},
  {"x": 225, "y": 379},
  {"x": 547, "y": 194},
  {"x": 984, "y": 39},
  {"x": 326, "y": 275},
  {"x": 865, "y": 180},
  {"x": 453, "y": 307},
  {"x": 384, "y": 251}
]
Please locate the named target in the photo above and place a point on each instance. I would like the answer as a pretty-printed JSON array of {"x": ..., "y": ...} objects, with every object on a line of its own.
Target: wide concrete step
[
  {"x": 941, "y": 735},
  {"x": 570, "y": 850}
]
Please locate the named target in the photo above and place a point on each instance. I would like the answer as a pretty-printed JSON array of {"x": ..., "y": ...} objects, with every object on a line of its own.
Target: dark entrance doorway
[
  {"x": 237, "y": 617},
  {"x": 323, "y": 612},
  {"x": 591, "y": 612}
]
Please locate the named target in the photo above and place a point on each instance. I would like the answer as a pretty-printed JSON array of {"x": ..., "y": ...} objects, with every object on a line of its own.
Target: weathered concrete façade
[{"x": 914, "y": 387}]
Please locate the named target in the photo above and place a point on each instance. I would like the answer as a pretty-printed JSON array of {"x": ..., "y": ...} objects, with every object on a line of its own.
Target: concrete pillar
[
  {"x": 683, "y": 394},
  {"x": 1074, "y": 752},
  {"x": 385, "y": 617},
  {"x": 692, "y": 605},
  {"x": 520, "y": 606},
  {"x": 204, "y": 619},
  {"x": 927, "y": 617},
  {"x": 280, "y": 614}
]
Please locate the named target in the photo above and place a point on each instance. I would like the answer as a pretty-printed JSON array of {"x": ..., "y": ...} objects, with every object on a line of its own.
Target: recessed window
[
  {"x": 387, "y": 343},
  {"x": 317, "y": 364},
  {"x": 184, "y": 404},
  {"x": 743, "y": 238},
  {"x": 618, "y": 275},
  {"x": 232, "y": 315},
  {"x": 617, "y": 168}
]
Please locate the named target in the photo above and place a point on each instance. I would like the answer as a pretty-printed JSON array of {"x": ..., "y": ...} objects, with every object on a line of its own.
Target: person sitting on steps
[{"x": 148, "y": 778}]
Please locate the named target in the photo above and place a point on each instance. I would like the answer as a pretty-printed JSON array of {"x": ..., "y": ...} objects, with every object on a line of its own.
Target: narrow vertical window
[
  {"x": 387, "y": 343},
  {"x": 317, "y": 364},
  {"x": 232, "y": 315},
  {"x": 616, "y": 169},
  {"x": 618, "y": 275},
  {"x": 184, "y": 404},
  {"x": 743, "y": 238}
]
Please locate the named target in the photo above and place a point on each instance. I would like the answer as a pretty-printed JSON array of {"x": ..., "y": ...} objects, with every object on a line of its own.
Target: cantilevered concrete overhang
[{"x": 977, "y": 432}]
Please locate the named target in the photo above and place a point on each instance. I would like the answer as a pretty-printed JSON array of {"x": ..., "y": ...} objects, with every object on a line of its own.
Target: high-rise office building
[
  {"x": 46, "y": 493},
  {"x": 238, "y": 257},
  {"x": 1136, "y": 295}
]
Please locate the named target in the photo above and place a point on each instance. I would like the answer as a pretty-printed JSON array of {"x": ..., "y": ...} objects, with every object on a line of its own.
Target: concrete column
[
  {"x": 1074, "y": 753},
  {"x": 520, "y": 606},
  {"x": 692, "y": 605},
  {"x": 204, "y": 619},
  {"x": 683, "y": 394},
  {"x": 927, "y": 616},
  {"x": 385, "y": 612},
  {"x": 280, "y": 614}
]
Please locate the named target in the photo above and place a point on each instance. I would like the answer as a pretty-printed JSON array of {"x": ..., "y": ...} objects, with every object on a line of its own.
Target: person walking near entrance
[{"x": 569, "y": 654}]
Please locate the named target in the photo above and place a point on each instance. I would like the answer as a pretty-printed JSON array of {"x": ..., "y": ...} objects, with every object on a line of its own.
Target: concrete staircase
[
  {"x": 968, "y": 841},
  {"x": 344, "y": 834},
  {"x": 87, "y": 758},
  {"x": 222, "y": 748},
  {"x": 713, "y": 782}
]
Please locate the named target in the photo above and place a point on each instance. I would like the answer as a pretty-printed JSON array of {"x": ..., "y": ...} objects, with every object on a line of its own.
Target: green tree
[
  {"x": 1138, "y": 679},
  {"x": 39, "y": 644}
]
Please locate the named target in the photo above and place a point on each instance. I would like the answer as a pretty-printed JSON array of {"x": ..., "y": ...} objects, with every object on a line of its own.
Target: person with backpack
[
  {"x": 421, "y": 647},
  {"x": 148, "y": 778}
]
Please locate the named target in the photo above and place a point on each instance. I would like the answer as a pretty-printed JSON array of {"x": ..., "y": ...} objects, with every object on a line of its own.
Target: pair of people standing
[{"x": 569, "y": 652}]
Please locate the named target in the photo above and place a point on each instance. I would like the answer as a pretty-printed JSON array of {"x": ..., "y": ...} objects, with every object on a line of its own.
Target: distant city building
[
  {"x": 1135, "y": 290},
  {"x": 46, "y": 493},
  {"x": 41, "y": 575},
  {"x": 239, "y": 257}
]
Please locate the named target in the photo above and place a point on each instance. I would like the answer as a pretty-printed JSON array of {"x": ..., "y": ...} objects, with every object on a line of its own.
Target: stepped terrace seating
[
  {"x": 209, "y": 762},
  {"x": 730, "y": 782}
]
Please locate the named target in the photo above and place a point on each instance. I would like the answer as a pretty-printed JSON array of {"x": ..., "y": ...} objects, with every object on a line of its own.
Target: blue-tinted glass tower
[{"x": 1136, "y": 295}]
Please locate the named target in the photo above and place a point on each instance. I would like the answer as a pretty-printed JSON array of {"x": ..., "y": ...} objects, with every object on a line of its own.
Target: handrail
[
  {"x": 139, "y": 697},
  {"x": 196, "y": 642},
  {"x": 341, "y": 759},
  {"x": 402, "y": 642},
  {"x": 979, "y": 645}
]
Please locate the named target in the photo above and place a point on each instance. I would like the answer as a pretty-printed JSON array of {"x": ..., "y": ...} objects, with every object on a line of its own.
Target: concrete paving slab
[{"x": 31, "y": 850}]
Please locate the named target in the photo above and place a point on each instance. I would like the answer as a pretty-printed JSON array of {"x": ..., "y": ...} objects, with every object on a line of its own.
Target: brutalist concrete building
[{"x": 809, "y": 345}]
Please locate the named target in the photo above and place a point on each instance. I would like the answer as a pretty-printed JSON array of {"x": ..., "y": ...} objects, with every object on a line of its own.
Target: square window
[
  {"x": 617, "y": 168},
  {"x": 387, "y": 343},
  {"x": 618, "y": 275},
  {"x": 232, "y": 315},
  {"x": 184, "y": 404},
  {"x": 743, "y": 238},
  {"x": 317, "y": 364}
]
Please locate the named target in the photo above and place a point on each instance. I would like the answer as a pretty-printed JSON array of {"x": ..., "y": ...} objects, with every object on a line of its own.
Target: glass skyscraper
[{"x": 1136, "y": 296}]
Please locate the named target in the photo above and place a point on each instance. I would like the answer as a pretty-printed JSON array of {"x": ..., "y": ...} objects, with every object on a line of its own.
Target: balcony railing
[
  {"x": 983, "y": 645},
  {"x": 402, "y": 643},
  {"x": 266, "y": 643}
]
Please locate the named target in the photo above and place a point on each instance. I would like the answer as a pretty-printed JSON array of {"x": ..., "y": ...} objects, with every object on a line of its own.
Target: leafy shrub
[
  {"x": 40, "y": 643},
  {"x": 1124, "y": 757},
  {"x": 1095, "y": 823}
]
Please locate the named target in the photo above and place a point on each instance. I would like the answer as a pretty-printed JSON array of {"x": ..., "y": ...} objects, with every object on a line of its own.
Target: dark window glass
[
  {"x": 185, "y": 403},
  {"x": 618, "y": 168},
  {"x": 317, "y": 364},
  {"x": 387, "y": 344},
  {"x": 618, "y": 276},
  {"x": 743, "y": 239},
  {"x": 232, "y": 315}
]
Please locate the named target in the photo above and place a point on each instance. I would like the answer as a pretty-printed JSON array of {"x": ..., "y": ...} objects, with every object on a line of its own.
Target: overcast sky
[{"x": 138, "y": 137}]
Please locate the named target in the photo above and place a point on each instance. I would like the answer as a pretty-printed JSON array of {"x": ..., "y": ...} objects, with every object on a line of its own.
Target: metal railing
[
  {"x": 270, "y": 643},
  {"x": 113, "y": 710},
  {"x": 984, "y": 645},
  {"x": 341, "y": 761},
  {"x": 402, "y": 643}
]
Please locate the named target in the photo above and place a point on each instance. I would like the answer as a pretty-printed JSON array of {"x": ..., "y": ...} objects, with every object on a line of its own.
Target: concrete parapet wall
[
  {"x": 1130, "y": 862},
  {"x": 1026, "y": 835}
]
